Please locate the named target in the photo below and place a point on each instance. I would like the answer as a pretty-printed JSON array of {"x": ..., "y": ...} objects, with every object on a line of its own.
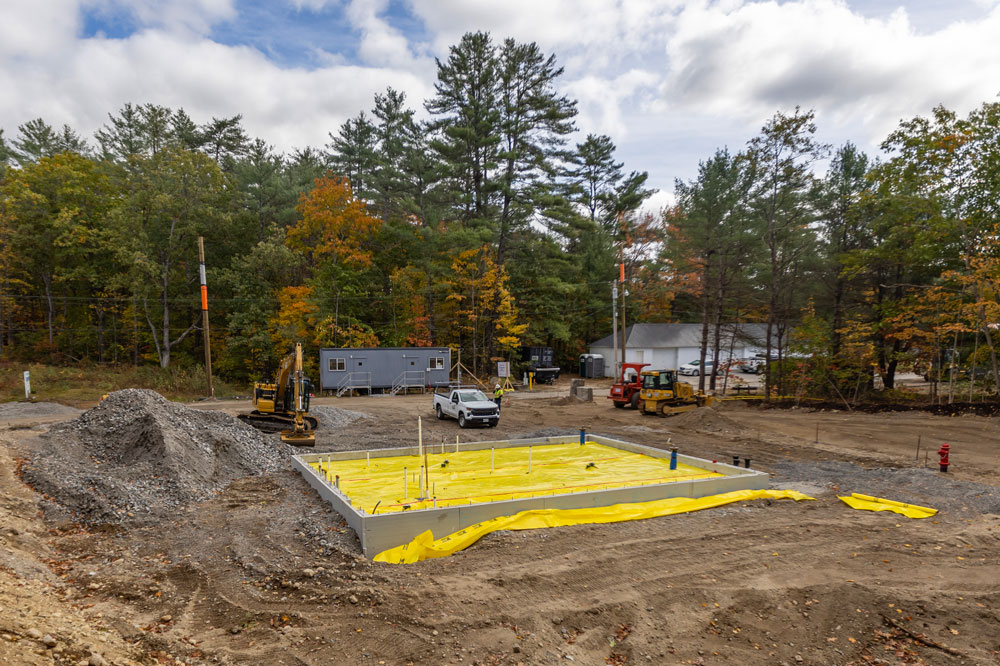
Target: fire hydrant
[{"x": 943, "y": 453}]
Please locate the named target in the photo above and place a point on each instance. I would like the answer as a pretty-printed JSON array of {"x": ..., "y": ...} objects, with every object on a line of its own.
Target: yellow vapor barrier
[
  {"x": 425, "y": 547},
  {"x": 492, "y": 475},
  {"x": 869, "y": 503}
]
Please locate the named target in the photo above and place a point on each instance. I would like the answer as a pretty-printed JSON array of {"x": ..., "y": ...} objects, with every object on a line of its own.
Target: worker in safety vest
[{"x": 497, "y": 395}]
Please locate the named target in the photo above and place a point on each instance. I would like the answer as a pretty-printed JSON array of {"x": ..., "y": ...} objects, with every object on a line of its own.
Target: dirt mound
[
  {"x": 334, "y": 417},
  {"x": 27, "y": 410},
  {"x": 138, "y": 456},
  {"x": 707, "y": 419}
]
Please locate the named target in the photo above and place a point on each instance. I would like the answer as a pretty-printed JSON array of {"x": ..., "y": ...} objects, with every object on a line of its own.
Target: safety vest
[{"x": 498, "y": 393}]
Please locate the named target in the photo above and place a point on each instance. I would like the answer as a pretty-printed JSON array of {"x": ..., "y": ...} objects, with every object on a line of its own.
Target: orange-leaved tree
[
  {"x": 295, "y": 319},
  {"x": 332, "y": 333},
  {"x": 335, "y": 226}
]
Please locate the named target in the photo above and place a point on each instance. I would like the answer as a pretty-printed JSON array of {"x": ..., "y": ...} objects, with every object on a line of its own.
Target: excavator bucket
[{"x": 299, "y": 438}]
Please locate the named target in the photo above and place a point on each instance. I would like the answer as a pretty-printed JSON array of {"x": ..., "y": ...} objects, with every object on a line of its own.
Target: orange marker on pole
[{"x": 204, "y": 315}]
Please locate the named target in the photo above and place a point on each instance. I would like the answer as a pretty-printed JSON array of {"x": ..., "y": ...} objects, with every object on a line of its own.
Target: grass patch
[{"x": 86, "y": 383}]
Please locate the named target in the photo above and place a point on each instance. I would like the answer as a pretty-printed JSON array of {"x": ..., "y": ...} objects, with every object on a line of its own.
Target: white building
[{"x": 668, "y": 346}]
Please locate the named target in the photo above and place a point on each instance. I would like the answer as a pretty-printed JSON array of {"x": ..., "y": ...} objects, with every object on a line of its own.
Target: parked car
[
  {"x": 695, "y": 368},
  {"x": 469, "y": 405},
  {"x": 751, "y": 366}
]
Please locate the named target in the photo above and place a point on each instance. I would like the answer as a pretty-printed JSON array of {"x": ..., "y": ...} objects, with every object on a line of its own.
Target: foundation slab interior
[{"x": 389, "y": 496}]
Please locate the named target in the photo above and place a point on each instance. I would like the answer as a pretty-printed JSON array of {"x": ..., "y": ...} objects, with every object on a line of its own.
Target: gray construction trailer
[{"x": 383, "y": 369}]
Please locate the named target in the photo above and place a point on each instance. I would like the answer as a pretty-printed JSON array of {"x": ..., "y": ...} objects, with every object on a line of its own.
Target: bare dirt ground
[{"x": 263, "y": 573}]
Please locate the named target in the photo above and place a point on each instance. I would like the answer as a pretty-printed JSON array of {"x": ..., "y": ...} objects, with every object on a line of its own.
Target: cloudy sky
[{"x": 669, "y": 80}]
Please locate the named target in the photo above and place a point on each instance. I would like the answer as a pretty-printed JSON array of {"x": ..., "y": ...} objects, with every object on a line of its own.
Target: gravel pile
[
  {"x": 914, "y": 485},
  {"x": 137, "y": 456},
  {"x": 333, "y": 417}
]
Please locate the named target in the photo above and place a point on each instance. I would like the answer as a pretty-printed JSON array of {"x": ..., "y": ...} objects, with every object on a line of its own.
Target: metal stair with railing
[
  {"x": 409, "y": 379},
  {"x": 360, "y": 381}
]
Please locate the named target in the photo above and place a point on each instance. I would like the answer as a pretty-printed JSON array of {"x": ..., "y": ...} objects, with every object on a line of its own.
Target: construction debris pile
[{"x": 137, "y": 457}]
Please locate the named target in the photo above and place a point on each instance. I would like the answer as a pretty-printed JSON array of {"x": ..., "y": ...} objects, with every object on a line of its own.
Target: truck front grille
[{"x": 484, "y": 412}]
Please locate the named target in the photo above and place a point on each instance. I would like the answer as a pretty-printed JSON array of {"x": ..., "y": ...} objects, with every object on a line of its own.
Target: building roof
[{"x": 659, "y": 336}]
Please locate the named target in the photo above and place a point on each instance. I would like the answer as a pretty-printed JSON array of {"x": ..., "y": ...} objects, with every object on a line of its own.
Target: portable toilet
[
  {"x": 598, "y": 366},
  {"x": 583, "y": 364}
]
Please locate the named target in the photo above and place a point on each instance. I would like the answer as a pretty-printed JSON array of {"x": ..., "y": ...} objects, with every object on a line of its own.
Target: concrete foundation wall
[{"x": 380, "y": 532}]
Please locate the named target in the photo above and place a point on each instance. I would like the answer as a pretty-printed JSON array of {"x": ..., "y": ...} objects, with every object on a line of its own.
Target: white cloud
[
  {"x": 287, "y": 107},
  {"x": 381, "y": 44},
  {"x": 194, "y": 16},
  {"x": 601, "y": 101},
  {"x": 30, "y": 29},
  {"x": 856, "y": 71},
  {"x": 669, "y": 80}
]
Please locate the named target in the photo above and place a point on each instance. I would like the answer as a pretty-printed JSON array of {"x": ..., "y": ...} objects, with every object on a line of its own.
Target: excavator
[
  {"x": 283, "y": 405},
  {"x": 662, "y": 393}
]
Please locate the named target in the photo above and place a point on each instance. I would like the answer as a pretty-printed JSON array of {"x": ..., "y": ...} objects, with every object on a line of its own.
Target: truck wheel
[
  {"x": 635, "y": 400},
  {"x": 462, "y": 423},
  {"x": 437, "y": 410}
]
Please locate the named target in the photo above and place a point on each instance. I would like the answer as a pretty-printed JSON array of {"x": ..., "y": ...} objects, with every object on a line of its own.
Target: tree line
[
  {"x": 874, "y": 265},
  {"x": 486, "y": 226},
  {"x": 483, "y": 227}
]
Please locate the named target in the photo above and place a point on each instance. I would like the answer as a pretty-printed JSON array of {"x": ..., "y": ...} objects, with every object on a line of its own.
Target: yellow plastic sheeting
[
  {"x": 456, "y": 479},
  {"x": 869, "y": 503},
  {"x": 425, "y": 547}
]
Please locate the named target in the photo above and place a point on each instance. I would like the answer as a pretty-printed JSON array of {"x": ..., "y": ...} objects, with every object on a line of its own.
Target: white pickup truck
[{"x": 469, "y": 405}]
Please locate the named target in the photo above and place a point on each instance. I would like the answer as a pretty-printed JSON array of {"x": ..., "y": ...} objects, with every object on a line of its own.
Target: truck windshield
[{"x": 472, "y": 396}]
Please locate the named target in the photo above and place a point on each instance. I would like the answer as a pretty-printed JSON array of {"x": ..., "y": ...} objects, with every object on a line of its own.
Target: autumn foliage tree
[
  {"x": 481, "y": 307},
  {"x": 335, "y": 227}
]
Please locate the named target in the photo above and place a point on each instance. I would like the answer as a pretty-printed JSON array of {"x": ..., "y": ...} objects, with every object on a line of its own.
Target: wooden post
[{"x": 204, "y": 315}]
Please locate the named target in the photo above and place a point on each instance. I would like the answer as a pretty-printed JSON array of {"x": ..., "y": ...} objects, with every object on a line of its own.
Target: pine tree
[{"x": 351, "y": 154}]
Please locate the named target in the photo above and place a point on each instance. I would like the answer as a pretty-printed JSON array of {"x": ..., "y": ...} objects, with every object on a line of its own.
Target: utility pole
[
  {"x": 622, "y": 275},
  {"x": 204, "y": 315},
  {"x": 614, "y": 328}
]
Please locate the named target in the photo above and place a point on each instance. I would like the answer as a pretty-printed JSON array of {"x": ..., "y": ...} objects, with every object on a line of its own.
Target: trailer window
[
  {"x": 435, "y": 363},
  {"x": 336, "y": 364}
]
